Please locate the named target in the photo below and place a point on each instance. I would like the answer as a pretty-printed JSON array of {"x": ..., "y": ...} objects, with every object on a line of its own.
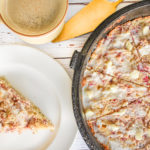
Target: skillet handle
[{"x": 74, "y": 59}]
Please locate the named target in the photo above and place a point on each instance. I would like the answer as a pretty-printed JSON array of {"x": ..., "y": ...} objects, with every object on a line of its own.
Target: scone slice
[
  {"x": 127, "y": 126},
  {"x": 117, "y": 62},
  {"x": 140, "y": 31},
  {"x": 119, "y": 38},
  {"x": 102, "y": 99},
  {"x": 17, "y": 113},
  {"x": 122, "y": 64},
  {"x": 144, "y": 50},
  {"x": 92, "y": 85}
]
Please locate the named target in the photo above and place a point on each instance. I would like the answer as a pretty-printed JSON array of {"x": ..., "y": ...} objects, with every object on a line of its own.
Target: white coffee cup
[{"x": 35, "y": 21}]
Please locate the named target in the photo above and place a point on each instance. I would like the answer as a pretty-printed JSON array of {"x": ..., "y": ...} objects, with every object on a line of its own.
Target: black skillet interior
[{"x": 79, "y": 61}]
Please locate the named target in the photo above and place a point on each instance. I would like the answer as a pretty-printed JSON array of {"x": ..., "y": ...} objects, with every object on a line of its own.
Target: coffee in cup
[{"x": 34, "y": 19}]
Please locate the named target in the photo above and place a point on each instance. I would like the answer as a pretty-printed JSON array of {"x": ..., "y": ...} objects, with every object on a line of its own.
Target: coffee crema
[{"x": 33, "y": 17}]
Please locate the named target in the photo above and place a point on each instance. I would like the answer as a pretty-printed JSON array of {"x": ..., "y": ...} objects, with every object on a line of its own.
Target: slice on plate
[{"x": 18, "y": 113}]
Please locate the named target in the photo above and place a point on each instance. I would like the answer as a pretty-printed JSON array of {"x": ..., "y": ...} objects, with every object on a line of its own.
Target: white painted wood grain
[
  {"x": 87, "y": 1},
  {"x": 121, "y": 5},
  {"x": 78, "y": 142},
  {"x": 72, "y": 10},
  {"x": 79, "y": 1},
  {"x": 62, "y": 49},
  {"x": 132, "y": 1},
  {"x": 126, "y": 3}
]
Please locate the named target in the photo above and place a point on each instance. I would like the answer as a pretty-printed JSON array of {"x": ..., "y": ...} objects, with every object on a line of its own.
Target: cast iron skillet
[{"x": 79, "y": 61}]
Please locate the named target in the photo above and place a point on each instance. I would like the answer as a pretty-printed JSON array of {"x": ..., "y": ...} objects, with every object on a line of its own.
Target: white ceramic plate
[{"x": 42, "y": 80}]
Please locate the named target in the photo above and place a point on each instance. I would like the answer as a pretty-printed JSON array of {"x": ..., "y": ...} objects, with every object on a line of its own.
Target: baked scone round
[{"x": 115, "y": 87}]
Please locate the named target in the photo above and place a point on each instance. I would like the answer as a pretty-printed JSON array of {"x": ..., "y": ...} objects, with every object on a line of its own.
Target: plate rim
[{"x": 64, "y": 72}]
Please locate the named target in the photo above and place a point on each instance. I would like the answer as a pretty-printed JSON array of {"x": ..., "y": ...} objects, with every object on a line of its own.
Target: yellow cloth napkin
[{"x": 87, "y": 19}]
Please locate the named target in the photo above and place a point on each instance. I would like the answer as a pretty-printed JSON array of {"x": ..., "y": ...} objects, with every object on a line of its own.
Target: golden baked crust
[
  {"x": 116, "y": 87},
  {"x": 18, "y": 113}
]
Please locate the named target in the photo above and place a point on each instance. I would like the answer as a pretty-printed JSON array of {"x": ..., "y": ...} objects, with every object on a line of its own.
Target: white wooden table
[{"x": 62, "y": 51}]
